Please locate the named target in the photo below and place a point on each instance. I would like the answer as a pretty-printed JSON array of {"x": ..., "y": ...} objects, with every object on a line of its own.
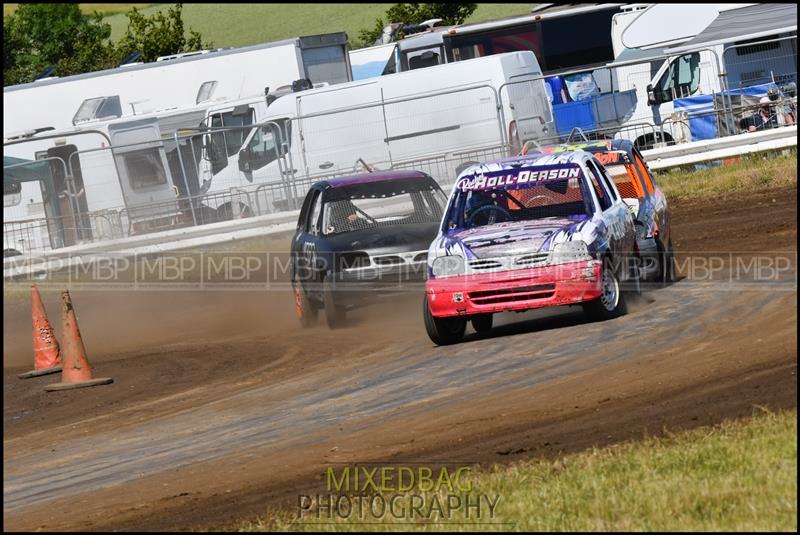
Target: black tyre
[
  {"x": 482, "y": 323},
  {"x": 667, "y": 260},
  {"x": 611, "y": 303},
  {"x": 443, "y": 331},
  {"x": 306, "y": 312},
  {"x": 335, "y": 315}
]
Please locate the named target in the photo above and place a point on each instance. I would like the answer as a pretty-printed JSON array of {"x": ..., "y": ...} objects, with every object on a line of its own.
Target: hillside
[{"x": 246, "y": 24}]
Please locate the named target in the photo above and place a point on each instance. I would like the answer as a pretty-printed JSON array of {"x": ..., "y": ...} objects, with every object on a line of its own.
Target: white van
[{"x": 388, "y": 121}]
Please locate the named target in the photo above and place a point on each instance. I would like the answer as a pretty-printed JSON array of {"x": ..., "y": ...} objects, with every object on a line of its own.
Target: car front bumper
[
  {"x": 354, "y": 287},
  {"x": 515, "y": 290}
]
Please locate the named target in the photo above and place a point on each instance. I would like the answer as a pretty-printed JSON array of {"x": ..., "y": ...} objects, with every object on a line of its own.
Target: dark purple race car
[{"x": 361, "y": 238}]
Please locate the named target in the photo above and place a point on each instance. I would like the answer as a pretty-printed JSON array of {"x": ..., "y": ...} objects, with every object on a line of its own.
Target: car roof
[
  {"x": 590, "y": 146},
  {"x": 367, "y": 178},
  {"x": 532, "y": 159}
]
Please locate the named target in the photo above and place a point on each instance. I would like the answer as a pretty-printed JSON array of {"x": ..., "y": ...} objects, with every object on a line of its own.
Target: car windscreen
[
  {"x": 381, "y": 204},
  {"x": 519, "y": 195}
]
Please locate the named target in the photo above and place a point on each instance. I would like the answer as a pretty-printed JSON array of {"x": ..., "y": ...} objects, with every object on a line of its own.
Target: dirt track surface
[{"x": 223, "y": 406}]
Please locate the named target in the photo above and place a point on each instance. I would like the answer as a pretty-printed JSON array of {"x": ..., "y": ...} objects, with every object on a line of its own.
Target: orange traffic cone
[
  {"x": 46, "y": 353},
  {"x": 76, "y": 371}
]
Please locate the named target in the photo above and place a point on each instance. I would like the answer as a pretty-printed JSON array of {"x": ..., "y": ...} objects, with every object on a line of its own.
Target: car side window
[
  {"x": 312, "y": 225},
  {"x": 607, "y": 182},
  {"x": 594, "y": 178},
  {"x": 644, "y": 171},
  {"x": 305, "y": 210}
]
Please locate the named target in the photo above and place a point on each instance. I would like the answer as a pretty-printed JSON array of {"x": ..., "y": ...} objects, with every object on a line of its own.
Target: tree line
[{"x": 60, "y": 40}]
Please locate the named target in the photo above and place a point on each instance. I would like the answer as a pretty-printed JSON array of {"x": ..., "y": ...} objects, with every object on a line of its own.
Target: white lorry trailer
[{"x": 176, "y": 82}]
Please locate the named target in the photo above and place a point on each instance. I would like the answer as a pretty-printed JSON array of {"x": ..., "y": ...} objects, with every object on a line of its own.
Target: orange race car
[{"x": 640, "y": 192}]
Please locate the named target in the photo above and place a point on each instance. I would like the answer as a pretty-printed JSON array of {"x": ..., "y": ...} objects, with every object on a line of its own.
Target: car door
[
  {"x": 307, "y": 242},
  {"x": 614, "y": 212},
  {"x": 658, "y": 199}
]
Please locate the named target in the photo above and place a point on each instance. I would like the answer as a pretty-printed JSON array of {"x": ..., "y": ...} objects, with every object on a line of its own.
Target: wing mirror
[
  {"x": 653, "y": 98},
  {"x": 245, "y": 161}
]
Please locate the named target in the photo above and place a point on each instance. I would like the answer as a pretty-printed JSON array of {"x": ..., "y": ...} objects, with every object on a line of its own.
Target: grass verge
[
  {"x": 749, "y": 173},
  {"x": 737, "y": 476}
]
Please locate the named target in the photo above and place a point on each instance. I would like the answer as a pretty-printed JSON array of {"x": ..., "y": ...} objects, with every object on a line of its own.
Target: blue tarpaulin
[{"x": 702, "y": 119}]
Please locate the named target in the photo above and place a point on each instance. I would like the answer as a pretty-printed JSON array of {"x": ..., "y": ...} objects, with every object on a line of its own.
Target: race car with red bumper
[
  {"x": 635, "y": 182},
  {"x": 528, "y": 232}
]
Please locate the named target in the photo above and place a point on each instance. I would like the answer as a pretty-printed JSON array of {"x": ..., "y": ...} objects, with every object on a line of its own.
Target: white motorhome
[
  {"x": 182, "y": 80},
  {"x": 386, "y": 121},
  {"x": 81, "y": 190}
]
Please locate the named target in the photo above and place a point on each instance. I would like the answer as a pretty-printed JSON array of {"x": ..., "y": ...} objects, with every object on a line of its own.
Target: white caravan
[
  {"x": 386, "y": 121},
  {"x": 83, "y": 192},
  {"x": 177, "y": 81}
]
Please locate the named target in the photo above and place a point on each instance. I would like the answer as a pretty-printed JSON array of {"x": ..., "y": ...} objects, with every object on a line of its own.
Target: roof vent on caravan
[
  {"x": 96, "y": 108},
  {"x": 206, "y": 90},
  {"x": 46, "y": 74},
  {"x": 131, "y": 59},
  {"x": 301, "y": 84},
  {"x": 183, "y": 55}
]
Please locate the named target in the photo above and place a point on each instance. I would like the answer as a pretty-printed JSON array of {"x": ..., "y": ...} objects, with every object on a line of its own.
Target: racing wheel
[{"x": 471, "y": 220}]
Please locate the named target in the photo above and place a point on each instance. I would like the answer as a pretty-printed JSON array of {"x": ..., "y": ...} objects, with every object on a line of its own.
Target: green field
[
  {"x": 247, "y": 24},
  {"x": 738, "y": 476}
]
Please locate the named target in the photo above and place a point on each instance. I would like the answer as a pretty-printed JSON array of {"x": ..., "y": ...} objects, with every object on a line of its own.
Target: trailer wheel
[{"x": 443, "y": 331}]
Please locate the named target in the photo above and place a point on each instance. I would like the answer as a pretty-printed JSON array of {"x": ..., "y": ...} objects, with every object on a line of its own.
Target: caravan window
[
  {"x": 144, "y": 167},
  {"x": 326, "y": 64}
]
